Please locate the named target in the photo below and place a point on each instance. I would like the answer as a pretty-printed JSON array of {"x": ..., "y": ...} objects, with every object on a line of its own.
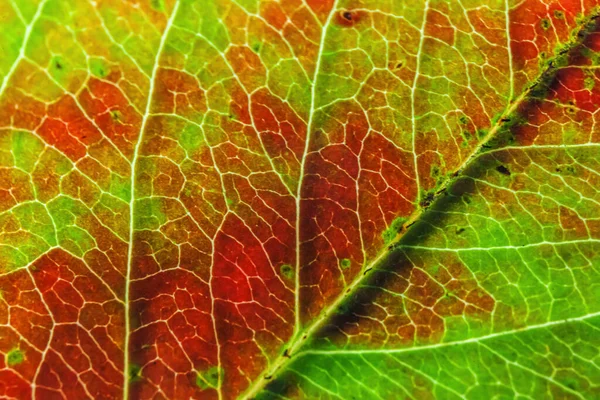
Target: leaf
[{"x": 299, "y": 199}]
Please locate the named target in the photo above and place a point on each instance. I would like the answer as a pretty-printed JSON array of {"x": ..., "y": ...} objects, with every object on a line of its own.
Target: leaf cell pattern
[{"x": 299, "y": 199}]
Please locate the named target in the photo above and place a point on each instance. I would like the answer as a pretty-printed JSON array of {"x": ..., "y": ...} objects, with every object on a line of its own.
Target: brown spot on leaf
[
  {"x": 348, "y": 17},
  {"x": 503, "y": 170}
]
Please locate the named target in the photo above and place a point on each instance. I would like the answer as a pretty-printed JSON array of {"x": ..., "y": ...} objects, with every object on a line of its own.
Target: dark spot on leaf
[
  {"x": 98, "y": 67},
  {"x": 135, "y": 372},
  {"x": 426, "y": 200},
  {"x": 115, "y": 115},
  {"x": 58, "y": 65},
  {"x": 348, "y": 17},
  {"x": 459, "y": 230},
  {"x": 559, "y": 14},
  {"x": 503, "y": 170},
  {"x": 545, "y": 23},
  {"x": 345, "y": 263},
  {"x": 442, "y": 190},
  {"x": 566, "y": 170},
  {"x": 396, "y": 65},
  {"x": 287, "y": 271}
]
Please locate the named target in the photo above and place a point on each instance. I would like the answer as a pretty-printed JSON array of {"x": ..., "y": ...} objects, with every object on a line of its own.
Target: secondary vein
[
  {"x": 453, "y": 343},
  {"x": 309, "y": 127},
  {"x": 413, "y": 91},
  {"x": 26, "y": 36},
  {"x": 136, "y": 151}
]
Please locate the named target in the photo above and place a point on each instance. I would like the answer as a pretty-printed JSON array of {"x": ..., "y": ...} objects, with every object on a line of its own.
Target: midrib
[
  {"x": 133, "y": 171},
  {"x": 301, "y": 337}
]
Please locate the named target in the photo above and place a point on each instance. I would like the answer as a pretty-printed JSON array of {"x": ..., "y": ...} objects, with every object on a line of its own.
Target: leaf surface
[{"x": 299, "y": 199}]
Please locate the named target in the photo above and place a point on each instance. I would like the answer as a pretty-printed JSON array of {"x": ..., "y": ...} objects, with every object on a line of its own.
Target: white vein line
[
  {"x": 116, "y": 43},
  {"x": 413, "y": 91},
  {"x": 450, "y": 344},
  {"x": 430, "y": 378},
  {"x": 309, "y": 124},
  {"x": 510, "y": 61},
  {"x": 155, "y": 67},
  {"x": 507, "y": 247},
  {"x": 542, "y": 147},
  {"x": 533, "y": 372},
  {"x": 48, "y": 345},
  {"x": 18, "y": 12},
  {"x": 28, "y": 30}
]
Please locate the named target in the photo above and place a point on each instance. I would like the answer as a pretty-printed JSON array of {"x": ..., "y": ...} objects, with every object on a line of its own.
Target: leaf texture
[{"x": 299, "y": 199}]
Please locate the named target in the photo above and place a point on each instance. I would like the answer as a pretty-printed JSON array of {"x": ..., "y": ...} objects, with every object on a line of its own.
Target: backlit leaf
[{"x": 346, "y": 199}]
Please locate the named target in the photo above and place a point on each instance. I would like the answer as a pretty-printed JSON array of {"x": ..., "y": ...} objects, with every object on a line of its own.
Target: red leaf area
[
  {"x": 70, "y": 327},
  {"x": 407, "y": 302},
  {"x": 568, "y": 100}
]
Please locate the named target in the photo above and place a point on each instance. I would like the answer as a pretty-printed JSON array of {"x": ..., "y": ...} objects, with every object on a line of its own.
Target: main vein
[
  {"x": 133, "y": 171},
  {"x": 302, "y": 336}
]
